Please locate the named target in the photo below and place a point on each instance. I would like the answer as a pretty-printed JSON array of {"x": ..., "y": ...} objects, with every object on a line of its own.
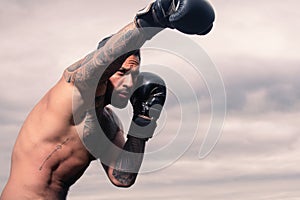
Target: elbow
[
  {"x": 122, "y": 184},
  {"x": 121, "y": 179}
]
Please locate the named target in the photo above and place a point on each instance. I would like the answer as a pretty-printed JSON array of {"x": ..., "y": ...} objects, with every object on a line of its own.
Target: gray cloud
[
  {"x": 254, "y": 46},
  {"x": 278, "y": 87}
]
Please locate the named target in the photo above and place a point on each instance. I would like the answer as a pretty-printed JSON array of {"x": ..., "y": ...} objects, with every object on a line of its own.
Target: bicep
[
  {"x": 113, "y": 129},
  {"x": 112, "y": 126},
  {"x": 119, "y": 140},
  {"x": 85, "y": 72}
]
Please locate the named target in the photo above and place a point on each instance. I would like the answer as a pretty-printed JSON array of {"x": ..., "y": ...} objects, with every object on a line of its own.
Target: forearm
[
  {"x": 129, "y": 161},
  {"x": 88, "y": 71}
]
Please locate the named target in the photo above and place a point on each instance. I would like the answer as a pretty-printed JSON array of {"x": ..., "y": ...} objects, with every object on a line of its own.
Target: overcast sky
[{"x": 254, "y": 45}]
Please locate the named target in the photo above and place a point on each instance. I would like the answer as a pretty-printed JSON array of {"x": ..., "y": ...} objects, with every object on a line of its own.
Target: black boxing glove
[
  {"x": 147, "y": 101},
  {"x": 187, "y": 16}
]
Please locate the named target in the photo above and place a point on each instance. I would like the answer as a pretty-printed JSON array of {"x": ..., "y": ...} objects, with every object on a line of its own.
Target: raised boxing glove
[
  {"x": 187, "y": 16},
  {"x": 147, "y": 101}
]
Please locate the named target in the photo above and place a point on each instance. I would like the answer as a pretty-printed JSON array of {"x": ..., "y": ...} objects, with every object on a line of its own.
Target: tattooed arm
[
  {"x": 121, "y": 166},
  {"x": 145, "y": 115},
  {"x": 129, "y": 162},
  {"x": 86, "y": 73}
]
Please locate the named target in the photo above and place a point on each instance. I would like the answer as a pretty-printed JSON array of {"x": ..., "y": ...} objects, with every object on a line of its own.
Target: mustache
[{"x": 127, "y": 92}]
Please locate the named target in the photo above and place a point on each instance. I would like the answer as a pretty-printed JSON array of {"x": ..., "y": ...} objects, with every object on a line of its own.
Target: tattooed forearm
[
  {"x": 88, "y": 71},
  {"x": 128, "y": 164},
  {"x": 58, "y": 147}
]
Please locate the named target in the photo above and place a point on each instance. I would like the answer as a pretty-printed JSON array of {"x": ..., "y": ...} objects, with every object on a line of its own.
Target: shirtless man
[{"x": 61, "y": 135}]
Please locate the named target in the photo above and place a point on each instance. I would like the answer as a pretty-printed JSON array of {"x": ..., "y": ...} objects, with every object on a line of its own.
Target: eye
[{"x": 121, "y": 71}]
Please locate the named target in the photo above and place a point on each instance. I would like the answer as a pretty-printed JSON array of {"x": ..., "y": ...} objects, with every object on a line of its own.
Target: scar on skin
[{"x": 59, "y": 146}]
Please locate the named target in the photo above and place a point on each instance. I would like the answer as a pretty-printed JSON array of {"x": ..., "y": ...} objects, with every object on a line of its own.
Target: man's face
[{"x": 123, "y": 81}]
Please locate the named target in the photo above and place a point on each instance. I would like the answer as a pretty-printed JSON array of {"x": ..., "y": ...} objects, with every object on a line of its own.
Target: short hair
[{"x": 135, "y": 52}]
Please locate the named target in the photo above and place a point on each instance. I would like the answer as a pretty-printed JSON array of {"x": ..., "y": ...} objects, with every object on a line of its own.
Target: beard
[
  {"x": 118, "y": 101},
  {"x": 117, "y": 98}
]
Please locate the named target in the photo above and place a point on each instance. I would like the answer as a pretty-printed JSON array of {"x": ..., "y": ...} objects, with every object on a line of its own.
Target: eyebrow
[
  {"x": 135, "y": 61},
  {"x": 124, "y": 68},
  {"x": 135, "y": 72},
  {"x": 132, "y": 63}
]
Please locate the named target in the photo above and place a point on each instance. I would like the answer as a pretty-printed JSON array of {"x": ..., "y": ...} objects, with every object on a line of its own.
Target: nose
[{"x": 128, "y": 81}]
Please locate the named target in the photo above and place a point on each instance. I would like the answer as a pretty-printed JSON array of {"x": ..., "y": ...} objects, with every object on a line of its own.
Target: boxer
[{"x": 58, "y": 139}]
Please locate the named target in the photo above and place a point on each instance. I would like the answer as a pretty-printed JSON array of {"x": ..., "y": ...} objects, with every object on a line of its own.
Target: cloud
[
  {"x": 263, "y": 90},
  {"x": 254, "y": 28},
  {"x": 254, "y": 47},
  {"x": 256, "y": 158}
]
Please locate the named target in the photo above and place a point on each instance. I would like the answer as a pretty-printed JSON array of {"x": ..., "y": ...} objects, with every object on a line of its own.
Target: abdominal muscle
[
  {"x": 46, "y": 170},
  {"x": 46, "y": 160}
]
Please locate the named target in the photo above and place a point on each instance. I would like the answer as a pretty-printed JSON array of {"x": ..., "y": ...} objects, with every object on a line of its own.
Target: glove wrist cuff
[
  {"x": 142, "y": 128},
  {"x": 147, "y": 18}
]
